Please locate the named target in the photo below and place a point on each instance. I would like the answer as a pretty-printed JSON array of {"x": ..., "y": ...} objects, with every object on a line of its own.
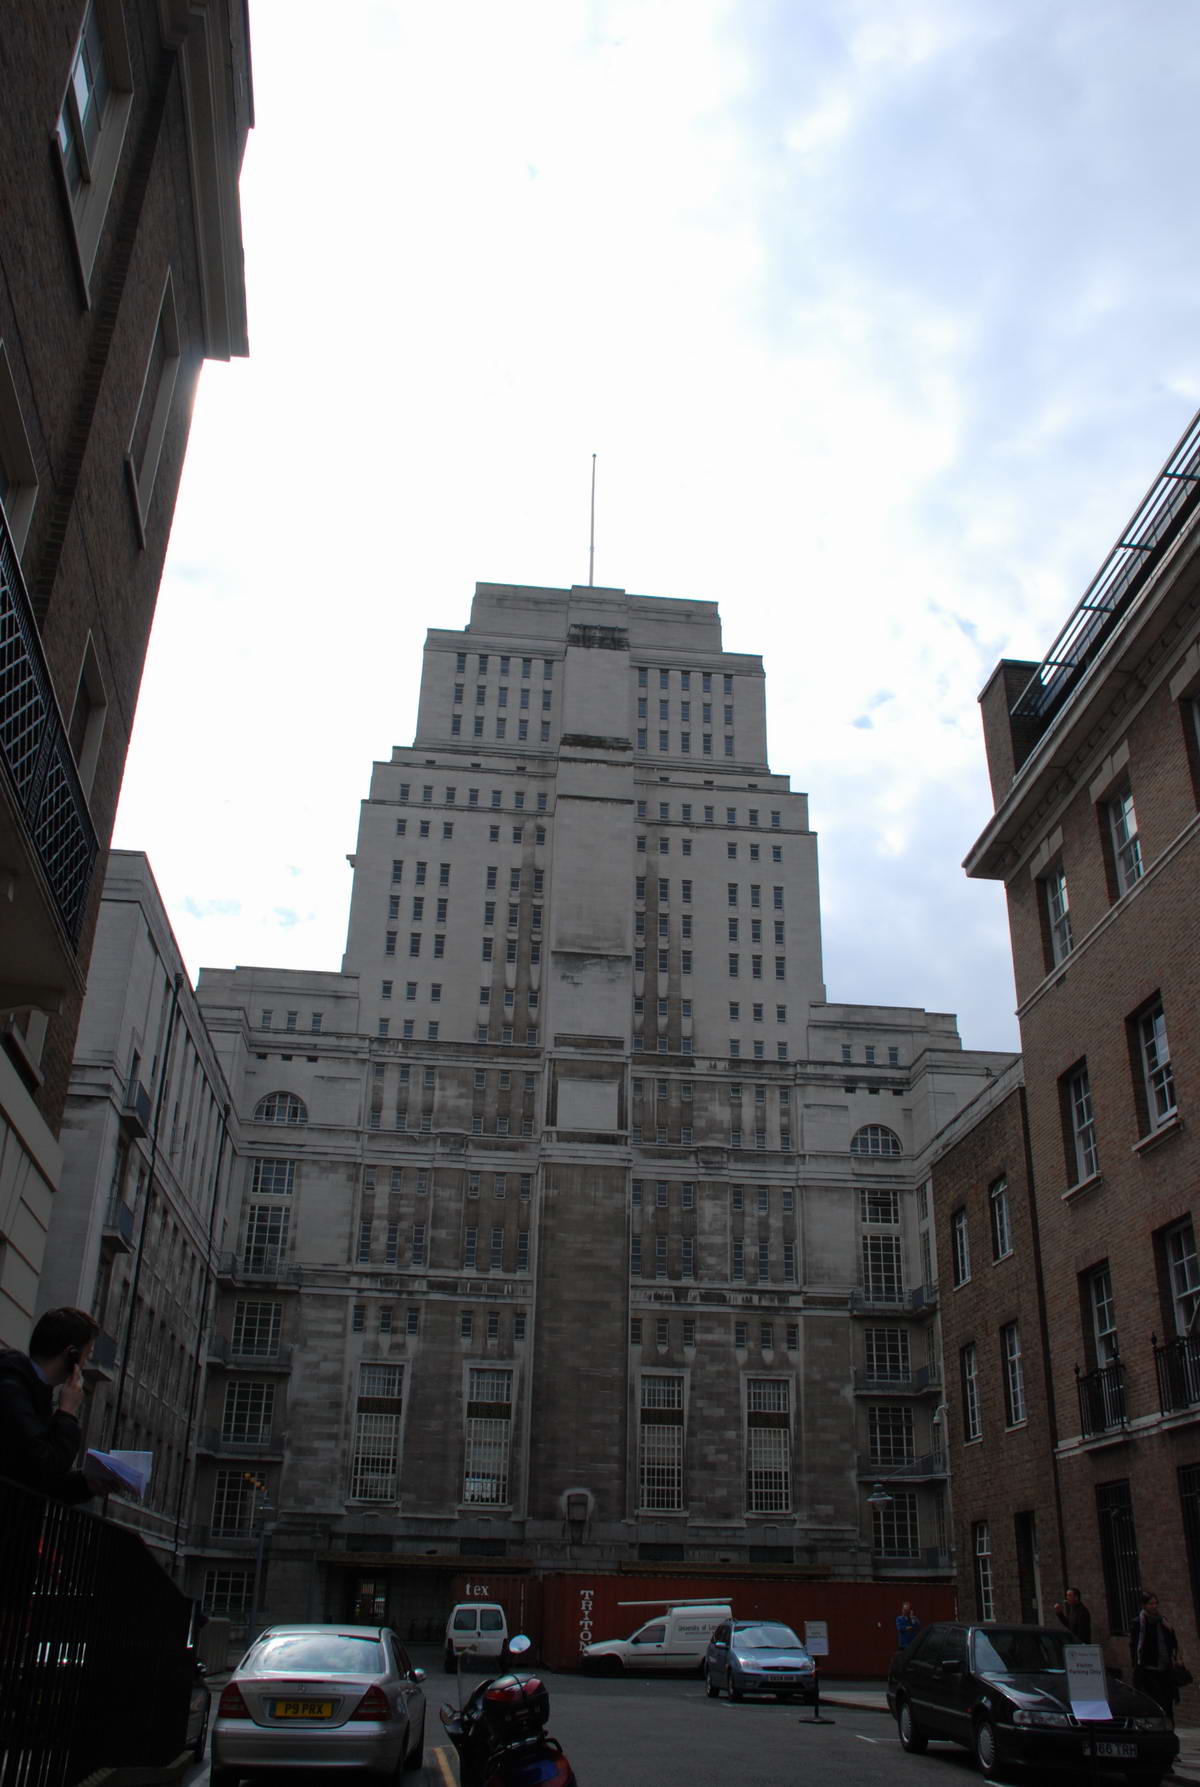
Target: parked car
[
  {"x": 758, "y": 1656},
  {"x": 1002, "y": 1692},
  {"x": 306, "y": 1697},
  {"x": 674, "y": 1639},
  {"x": 478, "y": 1627}
]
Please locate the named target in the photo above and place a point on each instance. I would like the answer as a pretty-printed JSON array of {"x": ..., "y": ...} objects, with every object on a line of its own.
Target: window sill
[
  {"x": 961, "y": 1285},
  {"x": 1001, "y": 1257},
  {"x": 1016, "y": 1426},
  {"x": 1083, "y": 1185},
  {"x": 1171, "y": 1127}
]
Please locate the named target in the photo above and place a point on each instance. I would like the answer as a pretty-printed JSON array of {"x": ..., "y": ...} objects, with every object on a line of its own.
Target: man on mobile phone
[{"x": 40, "y": 1442}]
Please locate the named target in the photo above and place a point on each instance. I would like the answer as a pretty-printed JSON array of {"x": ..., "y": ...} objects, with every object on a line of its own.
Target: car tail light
[
  {"x": 232, "y": 1706},
  {"x": 373, "y": 1705}
]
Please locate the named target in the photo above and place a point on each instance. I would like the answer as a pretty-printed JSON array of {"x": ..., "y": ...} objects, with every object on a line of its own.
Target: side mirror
[
  {"x": 418, "y": 1675},
  {"x": 519, "y": 1645}
]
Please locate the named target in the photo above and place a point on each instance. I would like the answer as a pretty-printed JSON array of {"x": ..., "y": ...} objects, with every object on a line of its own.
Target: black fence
[{"x": 95, "y": 1669}]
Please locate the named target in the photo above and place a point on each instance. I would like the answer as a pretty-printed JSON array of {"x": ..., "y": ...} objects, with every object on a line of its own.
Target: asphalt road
[{"x": 647, "y": 1731}]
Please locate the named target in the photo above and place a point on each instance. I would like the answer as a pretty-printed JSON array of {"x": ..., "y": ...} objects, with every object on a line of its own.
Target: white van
[
  {"x": 677, "y": 1638},
  {"x": 478, "y": 1627}
]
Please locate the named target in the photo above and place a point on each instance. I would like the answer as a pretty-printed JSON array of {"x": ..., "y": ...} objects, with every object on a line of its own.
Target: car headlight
[
  {"x": 1051, "y": 1721},
  {"x": 1156, "y": 1724}
]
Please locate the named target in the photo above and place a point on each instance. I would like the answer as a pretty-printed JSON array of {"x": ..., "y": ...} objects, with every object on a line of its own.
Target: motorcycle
[{"x": 500, "y": 1731}]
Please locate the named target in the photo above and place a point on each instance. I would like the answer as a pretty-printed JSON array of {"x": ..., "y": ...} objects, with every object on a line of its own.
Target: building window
[
  {"x": 90, "y": 129},
  {"x": 968, "y": 1371},
  {"x": 895, "y": 1524},
  {"x": 1183, "y": 1275},
  {"x": 374, "y": 1461},
  {"x": 661, "y": 1443},
  {"x": 280, "y": 1107},
  {"x": 1083, "y": 1156},
  {"x": 228, "y": 1593},
  {"x": 488, "y": 1437},
  {"x": 1058, "y": 916},
  {"x": 768, "y": 1446},
  {"x": 890, "y": 1434},
  {"x": 960, "y": 1246},
  {"x": 985, "y": 1603},
  {"x": 878, "y": 1204},
  {"x": 887, "y": 1355},
  {"x": 256, "y": 1328},
  {"x": 154, "y": 408},
  {"x": 875, "y": 1138},
  {"x": 1126, "y": 843},
  {"x": 1154, "y": 1056},
  {"x": 1001, "y": 1220},
  {"x": 248, "y": 1412},
  {"x": 1014, "y": 1374},
  {"x": 1119, "y": 1554},
  {"x": 882, "y": 1278}
]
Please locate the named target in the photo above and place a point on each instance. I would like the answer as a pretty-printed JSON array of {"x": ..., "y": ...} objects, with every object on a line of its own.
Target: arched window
[
  {"x": 282, "y": 1107},
  {"x": 875, "y": 1138}
]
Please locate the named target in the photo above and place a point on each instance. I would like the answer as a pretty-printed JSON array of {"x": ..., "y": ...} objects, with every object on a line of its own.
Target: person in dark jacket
[
  {"x": 40, "y": 1442},
  {"x": 1155, "y": 1651},
  {"x": 907, "y": 1625},
  {"x": 1075, "y": 1616}
]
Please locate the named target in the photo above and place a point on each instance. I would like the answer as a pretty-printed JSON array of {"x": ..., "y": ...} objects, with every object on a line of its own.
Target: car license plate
[
  {"x": 787, "y": 1680},
  {"x": 1126, "y": 1752},
  {"x": 303, "y": 1709}
]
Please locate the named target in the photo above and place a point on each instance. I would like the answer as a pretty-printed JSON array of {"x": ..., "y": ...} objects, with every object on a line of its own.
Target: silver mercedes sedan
[{"x": 306, "y": 1697}]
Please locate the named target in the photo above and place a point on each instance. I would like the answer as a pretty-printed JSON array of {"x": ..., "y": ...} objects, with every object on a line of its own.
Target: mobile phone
[{"x": 73, "y": 1356}]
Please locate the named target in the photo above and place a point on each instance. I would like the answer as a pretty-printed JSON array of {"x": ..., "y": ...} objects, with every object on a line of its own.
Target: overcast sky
[{"x": 880, "y": 314}]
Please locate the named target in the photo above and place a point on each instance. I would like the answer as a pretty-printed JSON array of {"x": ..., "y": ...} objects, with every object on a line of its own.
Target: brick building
[
  {"x": 575, "y": 1228},
  {"x": 121, "y": 137},
  {"x": 1095, "y": 766}
]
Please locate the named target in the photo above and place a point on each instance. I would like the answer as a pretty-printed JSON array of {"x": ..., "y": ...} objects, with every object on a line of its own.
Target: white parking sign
[{"x": 816, "y": 1637}]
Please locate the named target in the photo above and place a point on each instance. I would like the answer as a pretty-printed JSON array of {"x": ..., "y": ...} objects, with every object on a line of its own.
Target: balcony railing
[
  {"x": 222, "y": 1351},
  {"x": 1101, "y": 1399},
  {"x": 1177, "y": 1363},
  {"x": 37, "y": 759},
  {"x": 921, "y": 1557},
  {"x": 215, "y": 1444},
  {"x": 135, "y": 1108},
  {"x": 920, "y": 1301},
  {"x": 118, "y": 1227},
  {"x": 899, "y": 1383},
  {"x": 928, "y": 1464},
  {"x": 260, "y": 1262}
]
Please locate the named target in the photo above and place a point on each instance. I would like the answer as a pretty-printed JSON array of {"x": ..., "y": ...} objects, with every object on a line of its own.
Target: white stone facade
[{"x": 572, "y": 1194}]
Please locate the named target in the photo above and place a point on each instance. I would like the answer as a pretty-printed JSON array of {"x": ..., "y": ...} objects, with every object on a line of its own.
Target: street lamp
[{"x": 262, "y": 1508}]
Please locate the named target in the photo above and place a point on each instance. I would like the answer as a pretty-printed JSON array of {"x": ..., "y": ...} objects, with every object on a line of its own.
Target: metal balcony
[
  {"x": 925, "y": 1380},
  {"x": 1177, "y": 1363},
  {"x": 216, "y": 1445},
  {"x": 1101, "y": 1399},
  {"x": 907, "y": 1470},
  {"x": 266, "y": 1265},
  {"x": 221, "y": 1351},
  {"x": 117, "y": 1234},
  {"x": 48, "y": 844},
  {"x": 883, "y": 1299},
  {"x": 135, "y": 1109}
]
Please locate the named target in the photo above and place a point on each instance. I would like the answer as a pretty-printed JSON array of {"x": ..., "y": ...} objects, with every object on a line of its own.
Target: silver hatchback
[{"x": 306, "y": 1697}]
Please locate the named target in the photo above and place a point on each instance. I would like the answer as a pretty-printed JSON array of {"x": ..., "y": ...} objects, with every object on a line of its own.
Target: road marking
[
  {"x": 442, "y": 1758},
  {"x": 865, "y": 1740}
]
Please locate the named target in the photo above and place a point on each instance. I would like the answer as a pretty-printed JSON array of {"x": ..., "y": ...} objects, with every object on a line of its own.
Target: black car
[{"x": 1002, "y": 1691}]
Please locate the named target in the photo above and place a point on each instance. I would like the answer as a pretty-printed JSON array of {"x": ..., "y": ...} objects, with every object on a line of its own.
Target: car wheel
[
  {"x": 448, "y": 1662},
  {"x": 984, "y": 1745},
  {"x": 613, "y": 1666},
  {"x": 710, "y": 1687},
  {"x": 912, "y": 1738},
  {"x": 735, "y": 1692},
  {"x": 415, "y": 1755},
  {"x": 197, "y": 1748},
  {"x": 223, "y": 1777}
]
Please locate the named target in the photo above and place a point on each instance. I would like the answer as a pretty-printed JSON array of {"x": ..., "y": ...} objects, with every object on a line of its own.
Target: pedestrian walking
[
  {"x": 1075, "y": 1616},
  {"x": 1155, "y": 1652},
  {"x": 906, "y": 1626},
  {"x": 40, "y": 1442}
]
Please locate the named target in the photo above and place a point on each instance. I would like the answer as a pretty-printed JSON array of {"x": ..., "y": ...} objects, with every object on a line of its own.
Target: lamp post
[{"x": 262, "y": 1507}]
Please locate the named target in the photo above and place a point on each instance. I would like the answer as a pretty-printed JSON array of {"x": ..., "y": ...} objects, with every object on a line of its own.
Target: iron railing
[
  {"x": 1101, "y": 1398},
  {"x": 1177, "y": 1363},
  {"x": 87, "y": 1620},
  {"x": 36, "y": 756},
  {"x": 1137, "y": 550}
]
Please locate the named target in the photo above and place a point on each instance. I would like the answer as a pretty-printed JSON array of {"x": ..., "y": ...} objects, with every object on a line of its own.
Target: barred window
[
  {"x": 660, "y": 1466},
  {"x": 374, "y": 1463},
  {"x": 768, "y": 1470},
  {"x": 660, "y": 1392},
  {"x": 227, "y": 1593},
  {"x": 488, "y": 1434}
]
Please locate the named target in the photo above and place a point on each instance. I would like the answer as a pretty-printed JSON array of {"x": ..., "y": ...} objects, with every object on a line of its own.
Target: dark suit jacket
[{"x": 38, "y": 1443}]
